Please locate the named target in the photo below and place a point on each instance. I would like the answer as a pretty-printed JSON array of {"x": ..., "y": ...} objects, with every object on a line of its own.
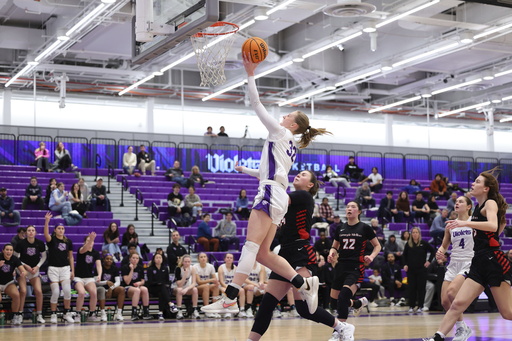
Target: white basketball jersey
[
  {"x": 188, "y": 281},
  {"x": 205, "y": 273},
  {"x": 462, "y": 243},
  {"x": 254, "y": 276},
  {"x": 228, "y": 274},
  {"x": 277, "y": 157}
]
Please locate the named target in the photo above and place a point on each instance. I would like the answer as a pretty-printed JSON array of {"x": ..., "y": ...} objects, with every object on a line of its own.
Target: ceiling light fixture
[
  {"x": 470, "y": 107},
  {"x": 495, "y": 99},
  {"x": 297, "y": 57},
  {"x": 108, "y": 2},
  {"x": 61, "y": 35},
  {"x": 134, "y": 85},
  {"x": 488, "y": 75},
  {"x": 384, "y": 107},
  {"x": 386, "y": 66},
  {"x": 503, "y": 73},
  {"x": 466, "y": 38},
  {"x": 456, "y": 86},
  {"x": 19, "y": 74},
  {"x": 355, "y": 78},
  {"x": 309, "y": 94},
  {"x": 425, "y": 93},
  {"x": 87, "y": 19},
  {"x": 426, "y": 54},
  {"x": 402, "y": 15},
  {"x": 220, "y": 92},
  {"x": 280, "y": 6},
  {"x": 493, "y": 30},
  {"x": 328, "y": 46},
  {"x": 506, "y": 119},
  {"x": 260, "y": 13},
  {"x": 50, "y": 49},
  {"x": 369, "y": 27},
  {"x": 506, "y": 98}
]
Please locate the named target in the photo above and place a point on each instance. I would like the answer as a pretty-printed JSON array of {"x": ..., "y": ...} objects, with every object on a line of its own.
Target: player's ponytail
[{"x": 308, "y": 133}]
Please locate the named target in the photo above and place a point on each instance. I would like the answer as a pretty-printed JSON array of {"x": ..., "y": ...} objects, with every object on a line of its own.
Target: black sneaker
[
  {"x": 436, "y": 337},
  {"x": 135, "y": 317},
  {"x": 147, "y": 317}
]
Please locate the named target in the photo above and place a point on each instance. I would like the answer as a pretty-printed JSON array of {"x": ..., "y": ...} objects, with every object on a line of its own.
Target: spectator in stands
[
  {"x": 242, "y": 205},
  {"x": 204, "y": 235},
  {"x": 52, "y": 185},
  {"x": 434, "y": 208},
  {"x": 391, "y": 246},
  {"x": 62, "y": 159},
  {"x": 334, "y": 226},
  {"x": 209, "y": 132},
  {"x": 392, "y": 277},
  {"x": 438, "y": 227},
  {"x": 129, "y": 161},
  {"x": 42, "y": 158},
  {"x": 404, "y": 207},
  {"x": 196, "y": 178},
  {"x": 451, "y": 187},
  {"x": 32, "y": 253},
  {"x": 159, "y": 285},
  {"x": 420, "y": 209},
  {"x": 21, "y": 234},
  {"x": 450, "y": 204},
  {"x": 193, "y": 202},
  {"x": 352, "y": 171},
  {"x": 413, "y": 187},
  {"x": 373, "y": 282},
  {"x": 144, "y": 161},
  {"x": 176, "y": 174},
  {"x": 222, "y": 132},
  {"x": 326, "y": 211},
  {"x": 99, "y": 196},
  {"x": 254, "y": 286},
  {"x": 7, "y": 210},
  {"x": 416, "y": 264},
  {"x": 33, "y": 195},
  {"x": 207, "y": 282},
  {"x": 186, "y": 285},
  {"x": 77, "y": 200},
  {"x": 175, "y": 251},
  {"x": 111, "y": 241},
  {"x": 317, "y": 217},
  {"x": 133, "y": 277},
  {"x": 375, "y": 180},
  {"x": 176, "y": 206},
  {"x": 438, "y": 187},
  {"x": 364, "y": 196},
  {"x": 132, "y": 248},
  {"x": 323, "y": 245},
  {"x": 84, "y": 189},
  {"x": 404, "y": 237},
  {"x": 387, "y": 209},
  {"x": 332, "y": 177},
  {"x": 226, "y": 232},
  {"x": 226, "y": 273},
  {"x": 130, "y": 237},
  {"x": 10, "y": 263},
  {"x": 111, "y": 276},
  {"x": 59, "y": 201},
  {"x": 87, "y": 260},
  {"x": 379, "y": 232}
]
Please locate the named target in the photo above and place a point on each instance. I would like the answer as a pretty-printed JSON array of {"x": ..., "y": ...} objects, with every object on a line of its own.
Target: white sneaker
[
  {"x": 425, "y": 309},
  {"x": 179, "y": 315},
  {"x": 277, "y": 314},
  {"x": 348, "y": 332},
  {"x": 411, "y": 310},
  {"x": 195, "y": 314},
  {"x": 242, "y": 314},
  {"x": 335, "y": 336},
  {"x": 222, "y": 306},
  {"x": 68, "y": 317},
  {"x": 173, "y": 308},
  {"x": 53, "y": 318},
  {"x": 309, "y": 293},
  {"x": 364, "y": 302},
  {"x": 210, "y": 315},
  {"x": 226, "y": 316},
  {"x": 40, "y": 318},
  {"x": 293, "y": 313},
  {"x": 462, "y": 333},
  {"x": 103, "y": 316},
  {"x": 373, "y": 305},
  {"x": 119, "y": 315},
  {"x": 249, "y": 314},
  {"x": 93, "y": 318},
  {"x": 16, "y": 319}
]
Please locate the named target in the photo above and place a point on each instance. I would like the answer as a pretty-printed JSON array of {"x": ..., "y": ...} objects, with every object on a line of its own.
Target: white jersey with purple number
[
  {"x": 228, "y": 274},
  {"x": 205, "y": 273},
  {"x": 462, "y": 243},
  {"x": 277, "y": 157}
]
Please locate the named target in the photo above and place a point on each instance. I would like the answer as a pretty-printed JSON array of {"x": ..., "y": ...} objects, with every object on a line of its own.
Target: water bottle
[
  {"x": 2, "y": 318},
  {"x": 83, "y": 315},
  {"x": 34, "y": 316},
  {"x": 110, "y": 314}
]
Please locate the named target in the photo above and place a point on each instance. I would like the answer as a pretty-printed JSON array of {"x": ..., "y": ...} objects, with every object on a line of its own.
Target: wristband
[{"x": 334, "y": 248}]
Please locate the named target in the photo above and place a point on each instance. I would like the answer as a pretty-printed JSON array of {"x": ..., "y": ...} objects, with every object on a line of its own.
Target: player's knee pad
[
  {"x": 55, "y": 292},
  {"x": 319, "y": 316},
  {"x": 66, "y": 289},
  {"x": 248, "y": 257},
  {"x": 344, "y": 302}
]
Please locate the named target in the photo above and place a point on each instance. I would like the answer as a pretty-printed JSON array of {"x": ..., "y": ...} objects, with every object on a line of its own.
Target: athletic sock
[{"x": 297, "y": 281}]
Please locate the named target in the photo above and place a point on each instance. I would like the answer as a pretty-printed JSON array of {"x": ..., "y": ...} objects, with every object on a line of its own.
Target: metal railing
[
  {"x": 124, "y": 187},
  {"x": 139, "y": 198},
  {"x": 338, "y": 196},
  {"x": 110, "y": 174},
  {"x": 97, "y": 165},
  {"x": 154, "y": 215}
]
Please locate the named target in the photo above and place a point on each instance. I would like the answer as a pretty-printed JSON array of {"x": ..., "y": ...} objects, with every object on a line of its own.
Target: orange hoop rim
[{"x": 217, "y": 24}]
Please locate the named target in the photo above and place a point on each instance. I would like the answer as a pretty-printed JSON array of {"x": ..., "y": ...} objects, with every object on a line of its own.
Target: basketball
[{"x": 257, "y": 48}]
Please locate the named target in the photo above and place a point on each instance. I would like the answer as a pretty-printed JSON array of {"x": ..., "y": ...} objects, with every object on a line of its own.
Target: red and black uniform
[
  {"x": 350, "y": 267},
  {"x": 294, "y": 234},
  {"x": 489, "y": 266}
]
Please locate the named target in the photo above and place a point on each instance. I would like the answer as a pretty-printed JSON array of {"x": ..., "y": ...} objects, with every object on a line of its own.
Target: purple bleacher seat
[{"x": 397, "y": 226}]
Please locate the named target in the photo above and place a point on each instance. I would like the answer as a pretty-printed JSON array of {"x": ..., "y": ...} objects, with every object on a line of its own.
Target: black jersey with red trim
[
  {"x": 298, "y": 218},
  {"x": 484, "y": 240},
  {"x": 353, "y": 240}
]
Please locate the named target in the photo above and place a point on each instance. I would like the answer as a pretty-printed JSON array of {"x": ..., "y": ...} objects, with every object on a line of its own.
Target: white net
[{"x": 211, "y": 47}]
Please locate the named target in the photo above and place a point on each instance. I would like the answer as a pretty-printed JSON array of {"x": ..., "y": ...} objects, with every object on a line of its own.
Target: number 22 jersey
[{"x": 353, "y": 240}]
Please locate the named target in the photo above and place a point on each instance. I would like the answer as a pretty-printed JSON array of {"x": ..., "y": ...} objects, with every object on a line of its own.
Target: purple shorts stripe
[
  {"x": 271, "y": 161},
  {"x": 264, "y": 205}
]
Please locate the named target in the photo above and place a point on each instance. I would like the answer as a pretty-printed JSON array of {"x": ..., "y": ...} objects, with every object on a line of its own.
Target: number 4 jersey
[
  {"x": 462, "y": 244},
  {"x": 353, "y": 240}
]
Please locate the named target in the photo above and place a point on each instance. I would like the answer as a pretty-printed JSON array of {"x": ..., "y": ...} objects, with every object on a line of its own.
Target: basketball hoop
[{"x": 211, "y": 47}]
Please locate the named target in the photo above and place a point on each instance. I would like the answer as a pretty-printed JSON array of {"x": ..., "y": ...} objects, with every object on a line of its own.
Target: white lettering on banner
[{"x": 220, "y": 163}]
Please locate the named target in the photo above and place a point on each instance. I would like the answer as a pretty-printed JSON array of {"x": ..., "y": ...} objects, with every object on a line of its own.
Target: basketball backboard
[{"x": 172, "y": 22}]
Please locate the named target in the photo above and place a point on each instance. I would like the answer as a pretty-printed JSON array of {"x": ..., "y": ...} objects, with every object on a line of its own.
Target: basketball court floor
[{"x": 383, "y": 324}]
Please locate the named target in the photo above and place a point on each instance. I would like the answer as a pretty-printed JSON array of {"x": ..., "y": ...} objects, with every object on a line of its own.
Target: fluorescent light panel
[
  {"x": 50, "y": 49},
  {"x": 494, "y": 30},
  {"x": 19, "y": 74},
  {"x": 87, "y": 19},
  {"x": 274, "y": 69},
  {"x": 133, "y": 86},
  {"x": 280, "y": 6},
  {"x": 503, "y": 73},
  {"x": 355, "y": 78},
  {"x": 456, "y": 86},
  {"x": 474, "y": 106},
  {"x": 328, "y": 46},
  {"x": 309, "y": 94},
  {"x": 384, "y": 107},
  {"x": 215, "y": 94},
  {"x": 400, "y": 16},
  {"x": 425, "y": 54},
  {"x": 506, "y": 119}
]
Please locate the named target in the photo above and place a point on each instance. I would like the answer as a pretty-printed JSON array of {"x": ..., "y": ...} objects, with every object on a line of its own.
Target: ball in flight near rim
[{"x": 257, "y": 48}]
